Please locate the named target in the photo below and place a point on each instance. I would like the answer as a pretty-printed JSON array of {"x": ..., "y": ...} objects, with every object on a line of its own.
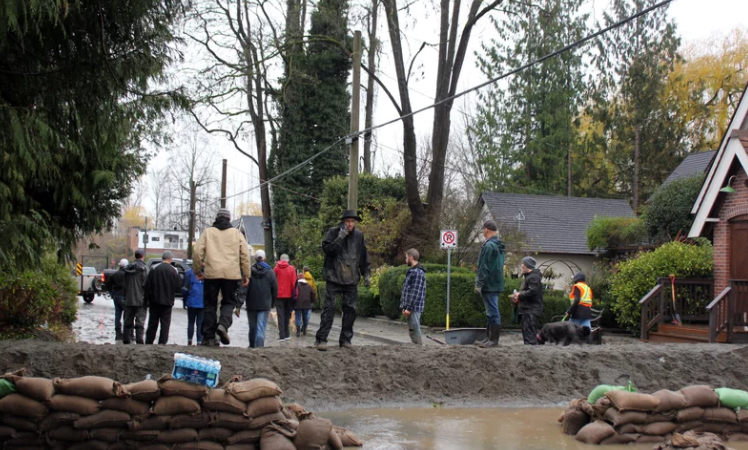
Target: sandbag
[
  {"x": 688, "y": 426},
  {"x": 295, "y": 409},
  {"x": 128, "y": 405},
  {"x": 110, "y": 435},
  {"x": 220, "y": 400},
  {"x": 57, "y": 419},
  {"x": 618, "y": 418},
  {"x": 173, "y": 405},
  {"x": 216, "y": 434},
  {"x": 143, "y": 391},
  {"x": 729, "y": 398},
  {"x": 670, "y": 401},
  {"x": 201, "y": 445},
  {"x": 140, "y": 435},
  {"x": 712, "y": 427},
  {"x": 231, "y": 421},
  {"x": 574, "y": 420},
  {"x": 347, "y": 438},
  {"x": 6, "y": 387},
  {"x": 618, "y": 439},
  {"x": 738, "y": 437},
  {"x": 68, "y": 434},
  {"x": 19, "y": 405},
  {"x": 650, "y": 439},
  {"x": 103, "y": 419},
  {"x": 21, "y": 424},
  {"x": 600, "y": 407},
  {"x": 6, "y": 433},
  {"x": 700, "y": 395},
  {"x": 632, "y": 401},
  {"x": 313, "y": 434},
  {"x": 652, "y": 418},
  {"x": 586, "y": 407},
  {"x": 39, "y": 389},
  {"x": 151, "y": 423},
  {"x": 74, "y": 404},
  {"x": 629, "y": 428},
  {"x": 25, "y": 440},
  {"x": 262, "y": 406},
  {"x": 689, "y": 414},
  {"x": 726, "y": 415},
  {"x": 245, "y": 437},
  {"x": 197, "y": 421},
  {"x": 743, "y": 416},
  {"x": 247, "y": 391},
  {"x": 594, "y": 433},
  {"x": 599, "y": 392},
  {"x": 658, "y": 428},
  {"x": 90, "y": 445},
  {"x": 243, "y": 447},
  {"x": 152, "y": 447},
  {"x": 273, "y": 440},
  {"x": 172, "y": 387},
  {"x": 97, "y": 388},
  {"x": 287, "y": 428},
  {"x": 177, "y": 436},
  {"x": 334, "y": 442},
  {"x": 262, "y": 421}
]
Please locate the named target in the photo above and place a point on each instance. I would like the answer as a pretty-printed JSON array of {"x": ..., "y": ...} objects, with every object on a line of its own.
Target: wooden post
[
  {"x": 223, "y": 184},
  {"x": 355, "y": 100}
]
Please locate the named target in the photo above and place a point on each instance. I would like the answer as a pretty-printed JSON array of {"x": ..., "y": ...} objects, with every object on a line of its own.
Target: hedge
[{"x": 367, "y": 304}]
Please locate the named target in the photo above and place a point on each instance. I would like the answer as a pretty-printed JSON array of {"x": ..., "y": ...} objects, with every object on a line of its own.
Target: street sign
[
  {"x": 79, "y": 269},
  {"x": 448, "y": 239}
]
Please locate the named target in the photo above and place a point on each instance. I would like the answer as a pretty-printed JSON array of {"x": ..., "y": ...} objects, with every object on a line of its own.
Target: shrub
[
  {"x": 670, "y": 209},
  {"x": 615, "y": 232},
  {"x": 635, "y": 277}
]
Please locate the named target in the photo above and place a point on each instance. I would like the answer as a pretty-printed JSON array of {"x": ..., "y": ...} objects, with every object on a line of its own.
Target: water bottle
[{"x": 148, "y": 377}]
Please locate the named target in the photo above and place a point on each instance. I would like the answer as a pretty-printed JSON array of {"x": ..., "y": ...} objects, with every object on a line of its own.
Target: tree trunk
[
  {"x": 372, "y": 62},
  {"x": 635, "y": 186},
  {"x": 191, "y": 222},
  {"x": 568, "y": 173}
]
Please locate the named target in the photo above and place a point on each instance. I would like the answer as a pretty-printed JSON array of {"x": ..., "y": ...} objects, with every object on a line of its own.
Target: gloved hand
[
  {"x": 367, "y": 281},
  {"x": 343, "y": 233},
  {"x": 238, "y": 311}
]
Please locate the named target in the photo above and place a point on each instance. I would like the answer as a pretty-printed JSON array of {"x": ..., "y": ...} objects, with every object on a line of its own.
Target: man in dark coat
[
  {"x": 116, "y": 286},
  {"x": 530, "y": 297},
  {"x": 162, "y": 285},
  {"x": 136, "y": 275},
  {"x": 262, "y": 294},
  {"x": 346, "y": 260},
  {"x": 489, "y": 281}
]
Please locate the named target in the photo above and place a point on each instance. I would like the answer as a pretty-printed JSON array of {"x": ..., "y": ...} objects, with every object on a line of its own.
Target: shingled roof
[
  {"x": 252, "y": 228},
  {"x": 693, "y": 164},
  {"x": 553, "y": 224}
]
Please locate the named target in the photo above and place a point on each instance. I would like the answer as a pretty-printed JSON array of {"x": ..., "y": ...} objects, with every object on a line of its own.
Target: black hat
[
  {"x": 579, "y": 277},
  {"x": 350, "y": 214},
  {"x": 490, "y": 225}
]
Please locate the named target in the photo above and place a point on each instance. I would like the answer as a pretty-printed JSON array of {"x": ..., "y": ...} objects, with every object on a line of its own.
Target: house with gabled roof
[{"x": 253, "y": 230}]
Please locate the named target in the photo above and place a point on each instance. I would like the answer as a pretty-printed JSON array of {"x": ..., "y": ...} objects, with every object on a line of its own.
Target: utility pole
[
  {"x": 223, "y": 184},
  {"x": 372, "y": 59},
  {"x": 145, "y": 240},
  {"x": 191, "y": 221},
  {"x": 355, "y": 100}
]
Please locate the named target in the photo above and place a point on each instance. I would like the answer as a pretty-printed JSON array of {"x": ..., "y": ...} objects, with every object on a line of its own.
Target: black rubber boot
[
  {"x": 223, "y": 333},
  {"x": 480, "y": 342},
  {"x": 117, "y": 335},
  {"x": 493, "y": 337}
]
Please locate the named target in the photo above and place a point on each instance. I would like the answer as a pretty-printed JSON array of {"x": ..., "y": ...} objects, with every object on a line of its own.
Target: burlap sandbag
[
  {"x": 236, "y": 422},
  {"x": 97, "y": 388},
  {"x": 658, "y": 428},
  {"x": 652, "y": 418},
  {"x": 103, "y": 419},
  {"x": 688, "y": 426},
  {"x": 347, "y": 438},
  {"x": 90, "y": 445},
  {"x": 690, "y": 414},
  {"x": 110, "y": 435},
  {"x": 21, "y": 424},
  {"x": 594, "y": 433},
  {"x": 151, "y": 446},
  {"x": 600, "y": 407},
  {"x": 143, "y": 391},
  {"x": 273, "y": 440},
  {"x": 720, "y": 415},
  {"x": 574, "y": 420},
  {"x": 712, "y": 427},
  {"x": 156, "y": 423},
  {"x": 738, "y": 437},
  {"x": 262, "y": 406},
  {"x": 334, "y": 442},
  {"x": 74, "y": 404},
  {"x": 650, "y": 439},
  {"x": 618, "y": 418},
  {"x": 173, "y": 405},
  {"x": 199, "y": 445},
  {"x": 220, "y": 400},
  {"x": 586, "y": 407},
  {"x": 743, "y": 416},
  {"x": 295, "y": 409},
  {"x": 216, "y": 434},
  {"x": 172, "y": 387},
  {"x": 196, "y": 421},
  {"x": 57, "y": 419},
  {"x": 247, "y": 391},
  {"x": 245, "y": 437},
  {"x": 128, "y": 405},
  {"x": 39, "y": 389},
  {"x": 632, "y": 401},
  {"x": 313, "y": 434},
  {"x": 177, "y": 436},
  {"x": 670, "y": 401},
  {"x": 68, "y": 434},
  {"x": 262, "y": 421},
  {"x": 6, "y": 433},
  {"x": 140, "y": 435},
  {"x": 618, "y": 439},
  {"x": 25, "y": 440},
  {"x": 700, "y": 395},
  {"x": 629, "y": 428},
  {"x": 22, "y": 406},
  {"x": 243, "y": 447}
]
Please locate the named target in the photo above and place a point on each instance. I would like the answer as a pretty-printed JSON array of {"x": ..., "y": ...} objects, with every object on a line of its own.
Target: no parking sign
[{"x": 448, "y": 239}]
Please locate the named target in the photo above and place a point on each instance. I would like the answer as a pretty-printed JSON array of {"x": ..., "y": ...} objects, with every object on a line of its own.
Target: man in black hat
[
  {"x": 530, "y": 299},
  {"x": 346, "y": 260},
  {"x": 489, "y": 281}
]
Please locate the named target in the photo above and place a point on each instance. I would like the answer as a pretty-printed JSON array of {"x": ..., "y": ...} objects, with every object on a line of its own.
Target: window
[{"x": 155, "y": 239}]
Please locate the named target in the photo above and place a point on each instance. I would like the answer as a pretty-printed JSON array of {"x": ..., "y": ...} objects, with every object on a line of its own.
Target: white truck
[{"x": 89, "y": 284}]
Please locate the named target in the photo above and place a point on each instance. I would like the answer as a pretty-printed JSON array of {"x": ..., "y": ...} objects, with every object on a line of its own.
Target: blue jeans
[
  {"x": 195, "y": 318},
  {"x": 582, "y": 322},
  {"x": 491, "y": 302},
  {"x": 304, "y": 314},
  {"x": 258, "y": 321},
  {"x": 414, "y": 327}
]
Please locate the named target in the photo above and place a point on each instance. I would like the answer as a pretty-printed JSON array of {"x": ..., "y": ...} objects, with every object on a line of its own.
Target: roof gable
[
  {"x": 693, "y": 164},
  {"x": 553, "y": 224},
  {"x": 252, "y": 226}
]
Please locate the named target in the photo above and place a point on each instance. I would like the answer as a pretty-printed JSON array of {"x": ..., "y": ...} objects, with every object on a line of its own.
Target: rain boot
[
  {"x": 480, "y": 342},
  {"x": 117, "y": 335},
  {"x": 303, "y": 330},
  {"x": 493, "y": 337},
  {"x": 223, "y": 334},
  {"x": 139, "y": 332}
]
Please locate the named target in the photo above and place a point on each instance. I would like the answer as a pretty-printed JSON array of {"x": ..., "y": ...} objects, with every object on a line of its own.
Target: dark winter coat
[
  {"x": 263, "y": 288},
  {"x": 346, "y": 260},
  {"x": 305, "y": 295},
  {"x": 136, "y": 274},
  {"x": 490, "y": 276},
  {"x": 162, "y": 285},
  {"x": 531, "y": 294},
  {"x": 116, "y": 283}
]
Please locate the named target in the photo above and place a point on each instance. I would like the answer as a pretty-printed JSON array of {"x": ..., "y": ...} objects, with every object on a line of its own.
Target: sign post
[{"x": 448, "y": 240}]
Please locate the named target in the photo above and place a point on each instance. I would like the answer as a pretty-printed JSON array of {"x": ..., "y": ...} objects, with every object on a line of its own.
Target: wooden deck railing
[
  {"x": 691, "y": 297},
  {"x": 720, "y": 315},
  {"x": 652, "y": 306}
]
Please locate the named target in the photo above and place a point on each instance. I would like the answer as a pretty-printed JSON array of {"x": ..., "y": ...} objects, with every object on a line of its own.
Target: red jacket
[{"x": 286, "y": 275}]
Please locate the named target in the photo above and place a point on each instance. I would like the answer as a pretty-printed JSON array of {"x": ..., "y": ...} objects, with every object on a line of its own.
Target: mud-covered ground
[{"x": 409, "y": 375}]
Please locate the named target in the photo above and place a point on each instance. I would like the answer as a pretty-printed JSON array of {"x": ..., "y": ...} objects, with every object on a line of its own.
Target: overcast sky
[{"x": 697, "y": 20}]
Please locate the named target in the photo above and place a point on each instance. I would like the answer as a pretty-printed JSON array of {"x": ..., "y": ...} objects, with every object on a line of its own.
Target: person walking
[
  {"x": 530, "y": 300},
  {"x": 346, "y": 261},
  {"x": 489, "y": 281},
  {"x": 286, "y": 276},
  {"x": 305, "y": 298},
  {"x": 580, "y": 311},
  {"x": 160, "y": 289},
  {"x": 116, "y": 286},
  {"x": 193, "y": 291},
  {"x": 262, "y": 293},
  {"x": 221, "y": 257},
  {"x": 310, "y": 279},
  {"x": 413, "y": 297},
  {"x": 136, "y": 275}
]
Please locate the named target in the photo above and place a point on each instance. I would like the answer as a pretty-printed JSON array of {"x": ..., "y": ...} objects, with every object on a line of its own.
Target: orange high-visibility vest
[{"x": 585, "y": 295}]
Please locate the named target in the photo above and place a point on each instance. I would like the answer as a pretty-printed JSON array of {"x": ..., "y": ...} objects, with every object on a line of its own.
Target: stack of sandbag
[
  {"x": 693, "y": 441},
  {"x": 622, "y": 416},
  {"x": 98, "y": 413}
]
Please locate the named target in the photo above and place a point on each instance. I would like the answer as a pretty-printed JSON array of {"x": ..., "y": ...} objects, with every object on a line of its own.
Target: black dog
[{"x": 566, "y": 332}]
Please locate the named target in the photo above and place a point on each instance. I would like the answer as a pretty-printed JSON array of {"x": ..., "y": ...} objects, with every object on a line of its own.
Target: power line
[
  {"x": 272, "y": 184},
  {"x": 539, "y": 60}
]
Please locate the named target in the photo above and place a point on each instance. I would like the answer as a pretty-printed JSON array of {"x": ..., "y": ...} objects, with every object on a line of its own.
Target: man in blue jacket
[
  {"x": 489, "y": 281},
  {"x": 192, "y": 293},
  {"x": 413, "y": 296}
]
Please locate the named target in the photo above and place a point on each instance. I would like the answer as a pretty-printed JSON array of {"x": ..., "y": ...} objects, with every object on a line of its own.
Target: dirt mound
[{"x": 376, "y": 376}]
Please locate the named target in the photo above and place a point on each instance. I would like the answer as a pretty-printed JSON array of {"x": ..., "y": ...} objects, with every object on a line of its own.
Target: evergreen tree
[{"x": 313, "y": 117}]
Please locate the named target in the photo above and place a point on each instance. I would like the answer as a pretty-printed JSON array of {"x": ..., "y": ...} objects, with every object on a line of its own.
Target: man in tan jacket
[{"x": 221, "y": 257}]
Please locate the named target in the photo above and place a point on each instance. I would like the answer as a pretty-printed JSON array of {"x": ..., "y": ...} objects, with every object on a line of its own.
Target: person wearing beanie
[
  {"x": 221, "y": 257},
  {"x": 160, "y": 289},
  {"x": 530, "y": 300},
  {"x": 116, "y": 286},
  {"x": 580, "y": 311},
  {"x": 489, "y": 281},
  {"x": 136, "y": 275},
  {"x": 262, "y": 294}
]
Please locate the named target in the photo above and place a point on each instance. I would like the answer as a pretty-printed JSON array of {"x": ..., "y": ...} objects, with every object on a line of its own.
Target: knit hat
[
  {"x": 529, "y": 262},
  {"x": 167, "y": 255},
  {"x": 259, "y": 254},
  {"x": 223, "y": 212},
  {"x": 490, "y": 225},
  {"x": 579, "y": 277},
  {"x": 123, "y": 262},
  {"x": 139, "y": 254}
]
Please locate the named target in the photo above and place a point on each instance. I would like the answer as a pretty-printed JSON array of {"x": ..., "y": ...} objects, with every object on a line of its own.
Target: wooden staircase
[{"x": 693, "y": 333}]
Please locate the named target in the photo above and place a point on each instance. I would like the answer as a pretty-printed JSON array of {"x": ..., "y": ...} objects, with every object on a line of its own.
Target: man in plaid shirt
[{"x": 413, "y": 297}]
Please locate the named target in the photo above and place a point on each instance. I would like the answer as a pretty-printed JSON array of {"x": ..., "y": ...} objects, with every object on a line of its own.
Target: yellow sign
[{"x": 79, "y": 269}]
